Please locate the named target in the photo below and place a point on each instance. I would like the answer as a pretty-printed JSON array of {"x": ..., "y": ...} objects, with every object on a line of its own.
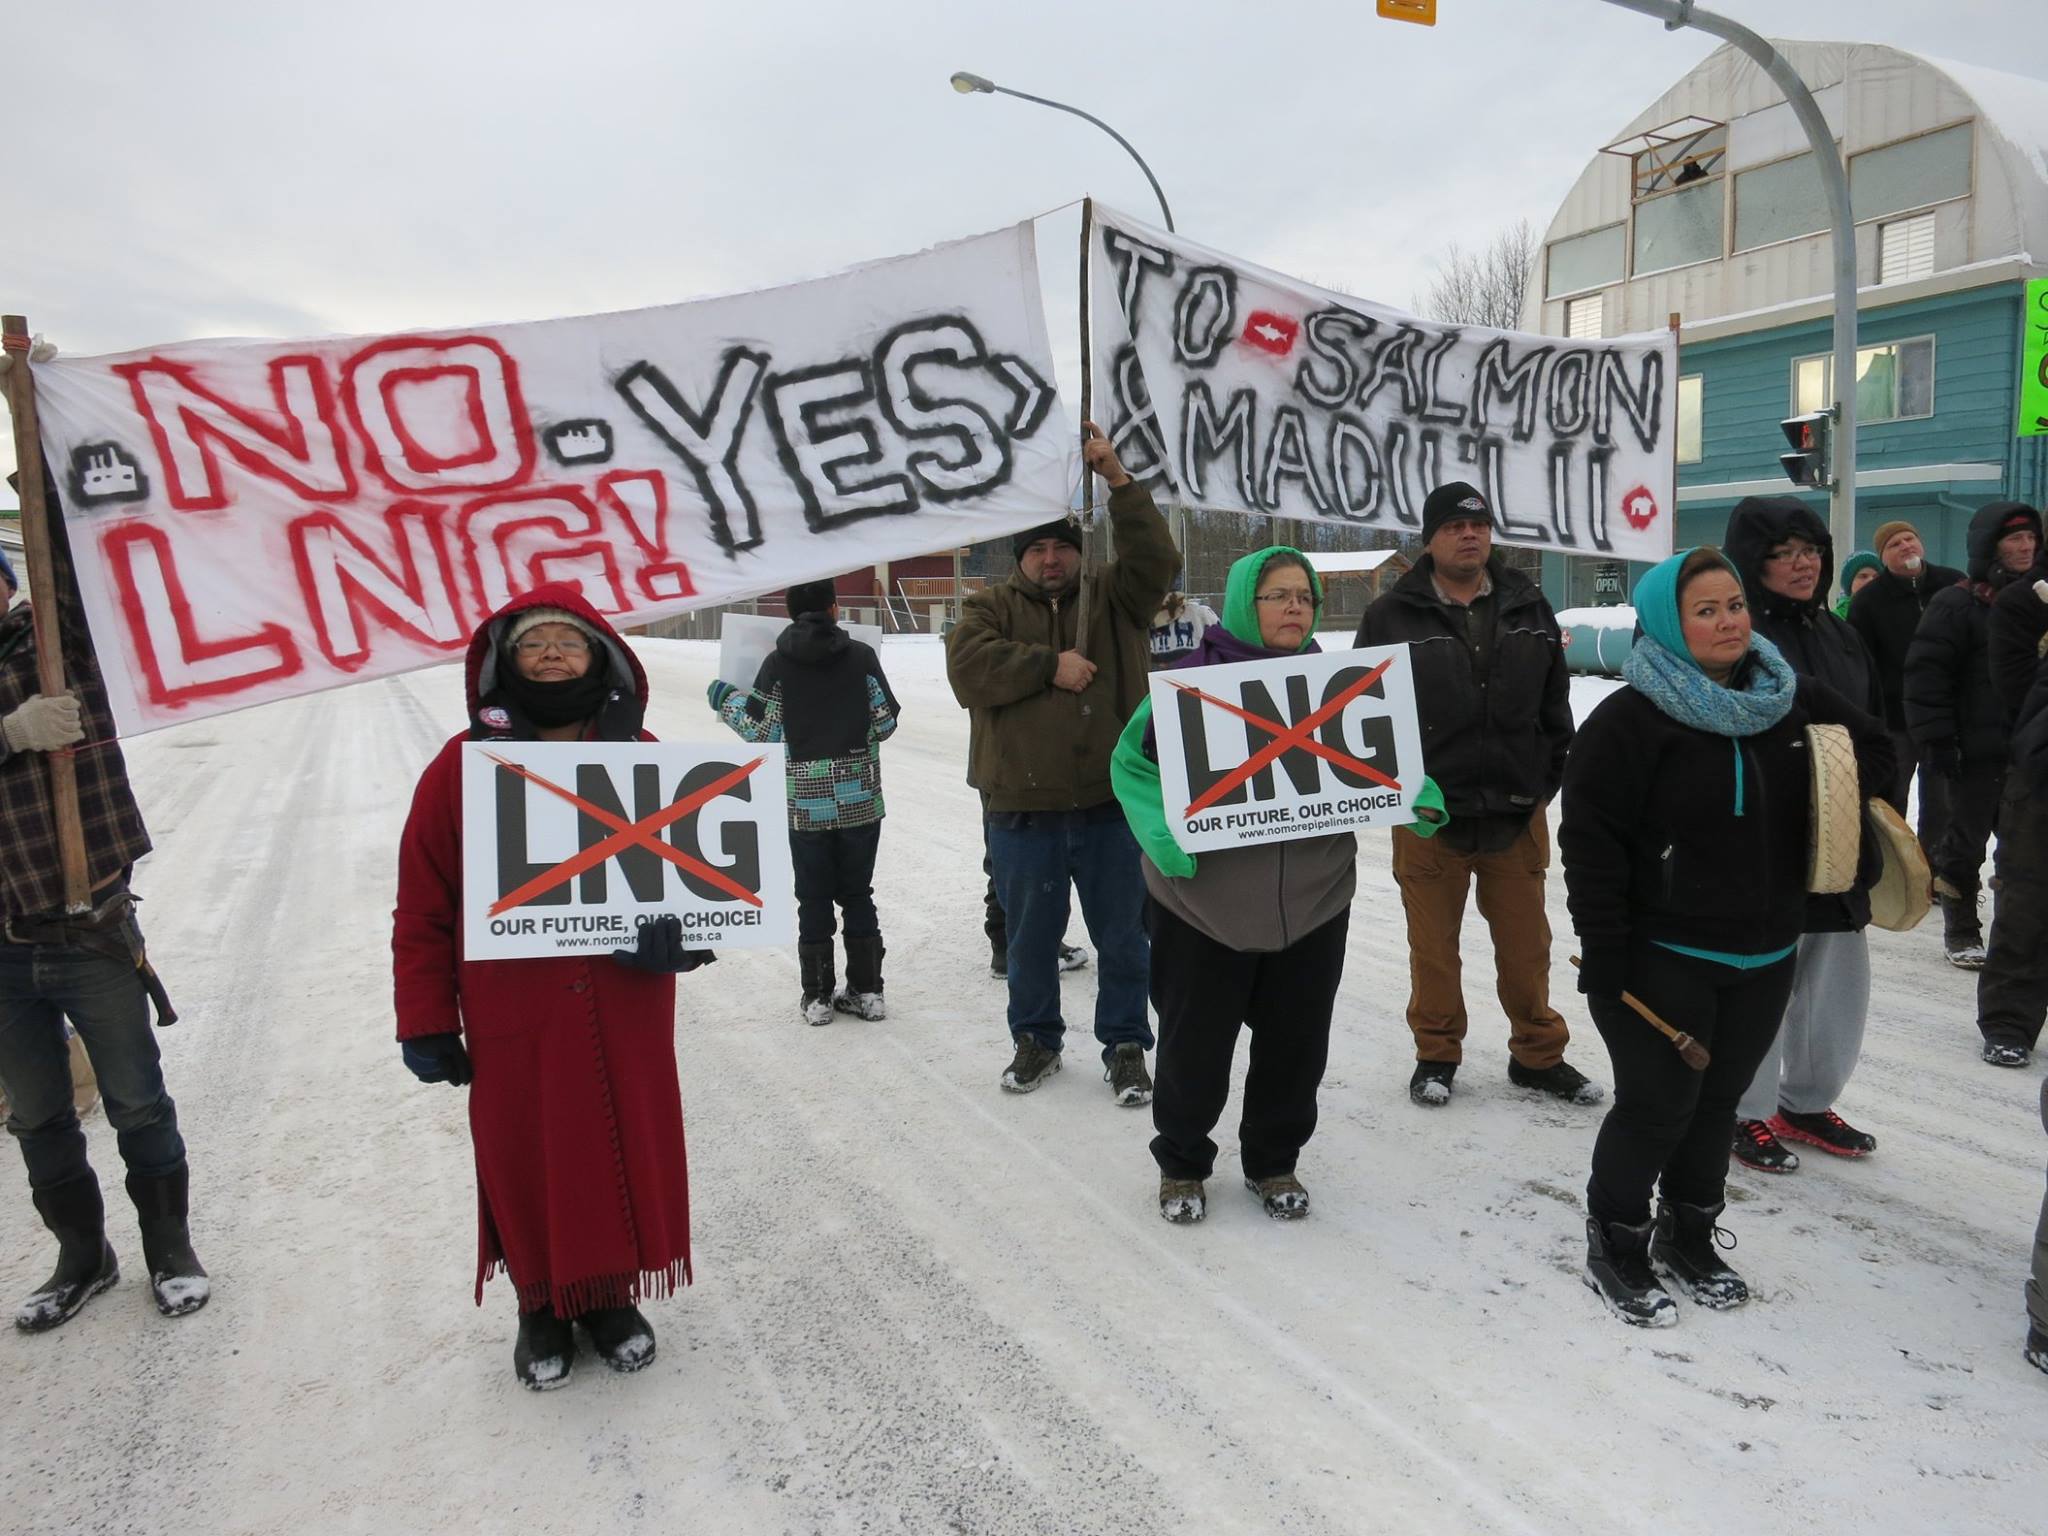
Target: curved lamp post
[{"x": 978, "y": 85}]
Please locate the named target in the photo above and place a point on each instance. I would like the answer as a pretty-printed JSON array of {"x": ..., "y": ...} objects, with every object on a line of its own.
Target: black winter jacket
[
  {"x": 1949, "y": 691},
  {"x": 2018, "y": 636},
  {"x": 1884, "y": 615},
  {"x": 1495, "y": 742},
  {"x": 1815, "y": 642},
  {"x": 1654, "y": 848},
  {"x": 823, "y": 673}
]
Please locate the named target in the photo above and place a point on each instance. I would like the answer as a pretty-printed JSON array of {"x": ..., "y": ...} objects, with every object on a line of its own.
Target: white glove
[
  {"x": 39, "y": 351},
  {"x": 45, "y": 722}
]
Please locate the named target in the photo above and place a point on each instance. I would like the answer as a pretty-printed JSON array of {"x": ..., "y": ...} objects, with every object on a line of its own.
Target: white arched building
[{"x": 1708, "y": 206}]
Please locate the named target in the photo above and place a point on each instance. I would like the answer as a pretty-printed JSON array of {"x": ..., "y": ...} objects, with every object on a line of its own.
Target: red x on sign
[
  {"x": 1286, "y": 737},
  {"x": 645, "y": 834}
]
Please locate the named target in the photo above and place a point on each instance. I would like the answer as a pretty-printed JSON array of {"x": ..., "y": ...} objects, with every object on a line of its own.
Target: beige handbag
[
  {"x": 1835, "y": 830},
  {"x": 1905, "y": 890}
]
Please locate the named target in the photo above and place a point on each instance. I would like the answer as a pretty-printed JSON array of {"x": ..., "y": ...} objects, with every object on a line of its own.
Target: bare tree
[{"x": 1484, "y": 287}]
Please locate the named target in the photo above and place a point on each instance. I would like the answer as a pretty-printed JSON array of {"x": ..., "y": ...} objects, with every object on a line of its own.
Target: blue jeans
[
  {"x": 1036, "y": 854},
  {"x": 41, "y": 985}
]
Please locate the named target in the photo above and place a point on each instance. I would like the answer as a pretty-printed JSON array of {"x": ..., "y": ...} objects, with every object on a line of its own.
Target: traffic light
[
  {"x": 1423, "y": 12},
  {"x": 1810, "y": 437}
]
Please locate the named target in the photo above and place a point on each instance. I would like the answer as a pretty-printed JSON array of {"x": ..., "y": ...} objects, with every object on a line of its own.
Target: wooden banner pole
[
  {"x": 42, "y": 580},
  {"x": 1087, "y": 403}
]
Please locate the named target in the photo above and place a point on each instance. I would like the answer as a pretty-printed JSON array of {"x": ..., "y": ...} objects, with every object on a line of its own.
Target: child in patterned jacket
[{"x": 823, "y": 694}]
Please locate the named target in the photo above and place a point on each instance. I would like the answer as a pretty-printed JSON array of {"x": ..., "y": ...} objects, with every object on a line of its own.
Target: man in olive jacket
[
  {"x": 1494, "y": 702},
  {"x": 1048, "y": 705}
]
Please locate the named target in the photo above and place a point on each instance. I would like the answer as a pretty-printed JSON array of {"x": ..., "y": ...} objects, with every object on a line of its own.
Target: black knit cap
[
  {"x": 1066, "y": 529},
  {"x": 810, "y": 597},
  {"x": 1456, "y": 499}
]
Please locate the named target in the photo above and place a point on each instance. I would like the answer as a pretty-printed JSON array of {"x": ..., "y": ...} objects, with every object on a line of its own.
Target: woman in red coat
[{"x": 574, "y": 1109}]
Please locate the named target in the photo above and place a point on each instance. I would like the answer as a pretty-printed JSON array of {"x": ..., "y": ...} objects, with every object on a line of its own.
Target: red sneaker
[{"x": 1826, "y": 1130}]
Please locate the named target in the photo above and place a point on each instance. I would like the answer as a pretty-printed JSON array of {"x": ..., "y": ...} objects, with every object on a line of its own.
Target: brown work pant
[{"x": 1433, "y": 881}]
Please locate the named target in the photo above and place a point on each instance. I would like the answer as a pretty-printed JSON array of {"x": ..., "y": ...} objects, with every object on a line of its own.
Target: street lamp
[{"x": 979, "y": 85}]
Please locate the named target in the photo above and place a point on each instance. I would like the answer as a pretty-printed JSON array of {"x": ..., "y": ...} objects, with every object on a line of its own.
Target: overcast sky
[{"x": 241, "y": 167}]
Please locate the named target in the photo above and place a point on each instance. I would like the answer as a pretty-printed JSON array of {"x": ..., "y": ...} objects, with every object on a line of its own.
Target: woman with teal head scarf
[
  {"x": 1245, "y": 937},
  {"x": 1686, "y": 812}
]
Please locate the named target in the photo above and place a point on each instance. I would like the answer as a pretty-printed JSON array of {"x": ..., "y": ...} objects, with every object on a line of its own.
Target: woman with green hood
[
  {"x": 1684, "y": 840},
  {"x": 1250, "y": 937}
]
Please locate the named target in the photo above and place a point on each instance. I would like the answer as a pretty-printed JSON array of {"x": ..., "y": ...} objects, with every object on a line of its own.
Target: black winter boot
[
  {"x": 1962, "y": 935},
  {"x": 862, "y": 994},
  {"x": 76, "y": 1215},
  {"x": 176, "y": 1278},
  {"x": 1682, "y": 1250},
  {"x": 815, "y": 962},
  {"x": 1618, "y": 1269},
  {"x": 545, "y": 1351},
  {"x": 623, "y": 1339}
]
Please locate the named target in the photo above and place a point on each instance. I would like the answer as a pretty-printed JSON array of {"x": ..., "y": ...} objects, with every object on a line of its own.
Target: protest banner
[
  {"x": 256, "y": 519},
  {"x": 745, "y": 639},
  {"x": 1298, "y": 746},
  {"x": 1235, "y": 388},
  {"x": 566, "y": 846},
  {"x": 2033, "y": 390}
]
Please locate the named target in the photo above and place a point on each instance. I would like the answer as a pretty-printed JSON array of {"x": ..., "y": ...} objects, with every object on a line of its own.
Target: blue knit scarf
[{"x": 1678, "y": 688}]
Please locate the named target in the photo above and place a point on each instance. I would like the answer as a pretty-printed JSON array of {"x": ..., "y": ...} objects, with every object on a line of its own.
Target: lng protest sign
[
  {"x": 1264, "y": 751},
  {"x": 257, "y": 519},
  {"x": 1238, "y": 389},
  {"x": 568, "y": 846}
]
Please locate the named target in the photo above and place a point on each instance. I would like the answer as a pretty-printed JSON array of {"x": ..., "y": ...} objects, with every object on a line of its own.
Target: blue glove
[
  {"x": 719, "y": 692},
  {"x": 660, "y": 946},
  {"x": 437, "y": 1059}
]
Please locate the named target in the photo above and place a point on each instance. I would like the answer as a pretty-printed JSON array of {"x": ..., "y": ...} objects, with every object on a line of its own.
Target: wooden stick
[
  {"x": 1087, "y": 398},
  {"x": 42, "y": 577},
  {"x": 1694, "y": 1053}
]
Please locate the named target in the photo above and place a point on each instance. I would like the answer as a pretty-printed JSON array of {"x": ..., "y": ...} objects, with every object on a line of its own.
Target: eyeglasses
[
  {"x": 575, "y": 645},
  {"x": 1289, "y": 599},
  {"x": 1797, "y": 554}
]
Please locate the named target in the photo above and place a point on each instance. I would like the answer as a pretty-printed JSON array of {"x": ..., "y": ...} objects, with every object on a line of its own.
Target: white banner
[
  {"x": 745, "y": 639},
  {"x": 1235, "y": 388},
  {"x": 1299, "y": 746},
  {"x": 257, "y": 519},
  {"x": 566, "y": 846}
]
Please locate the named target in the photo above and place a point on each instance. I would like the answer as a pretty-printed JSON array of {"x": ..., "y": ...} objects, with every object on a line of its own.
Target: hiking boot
[
  {"x": 1182, "y": 1201},
  {"x": 1430, "y": 1085},
  {"x": 76, "y": 1216},
  {"x": 1962, "y": 937},
  {"x": 1755, "y": 1147},
  {"x": 1126, "y": 1075},
  {"x": 545, "y": 1351},
  {"x": 1563, "y": 1081},
  {"x": 1826, "y": 1130},
  {"x": 861, "y": 1005},
  {"x": 623, "y": 1339},
  {"x": 2037, "y": 1348},
  {"x": 1030, "y": 1067},
  {"x": 1618, "y": 1272},
  {"x": 1682, "y": 1246},
  {"x": 1282, "y": 1196},
  {"x": 2006, "y": 1055},
  {"x": 1072, "y": 957}
]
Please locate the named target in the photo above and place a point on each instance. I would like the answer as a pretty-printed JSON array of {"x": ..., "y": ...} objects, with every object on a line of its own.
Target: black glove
[
  {"x": 437, "y": 1059},
  {"x": 1945, "y": 757},
  {"x": 1603, "y": 972},
  {"x": 660, "y": 948}
]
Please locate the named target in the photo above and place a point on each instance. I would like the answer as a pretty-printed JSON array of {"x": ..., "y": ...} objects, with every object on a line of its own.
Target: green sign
[{"x": 2034, "y": 361}]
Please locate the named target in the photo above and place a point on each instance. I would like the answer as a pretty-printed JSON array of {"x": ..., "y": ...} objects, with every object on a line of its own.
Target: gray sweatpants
[
  {"x": 2037, "y": 1285},
  {"x": 1809, "y": 1063}
]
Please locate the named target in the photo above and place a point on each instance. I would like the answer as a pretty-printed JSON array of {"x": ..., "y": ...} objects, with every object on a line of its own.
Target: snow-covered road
[{"x": 924, "y": 1305}]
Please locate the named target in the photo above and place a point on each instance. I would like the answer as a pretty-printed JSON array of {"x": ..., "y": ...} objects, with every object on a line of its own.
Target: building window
[
  {"x": 1894, "y": 381},
  {"x": 1912, "y": 173},
  {"x": 1905, "y": 248},
  {"x": 1678, "y": 228},
  {"x": 1591, "y": 260},
  {"x": 1585, "y": 319},
  {"x": 1781, "y": 201},
  {"x": 1681, "y": 160},
  {"x": 1691, "y": 396}
]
